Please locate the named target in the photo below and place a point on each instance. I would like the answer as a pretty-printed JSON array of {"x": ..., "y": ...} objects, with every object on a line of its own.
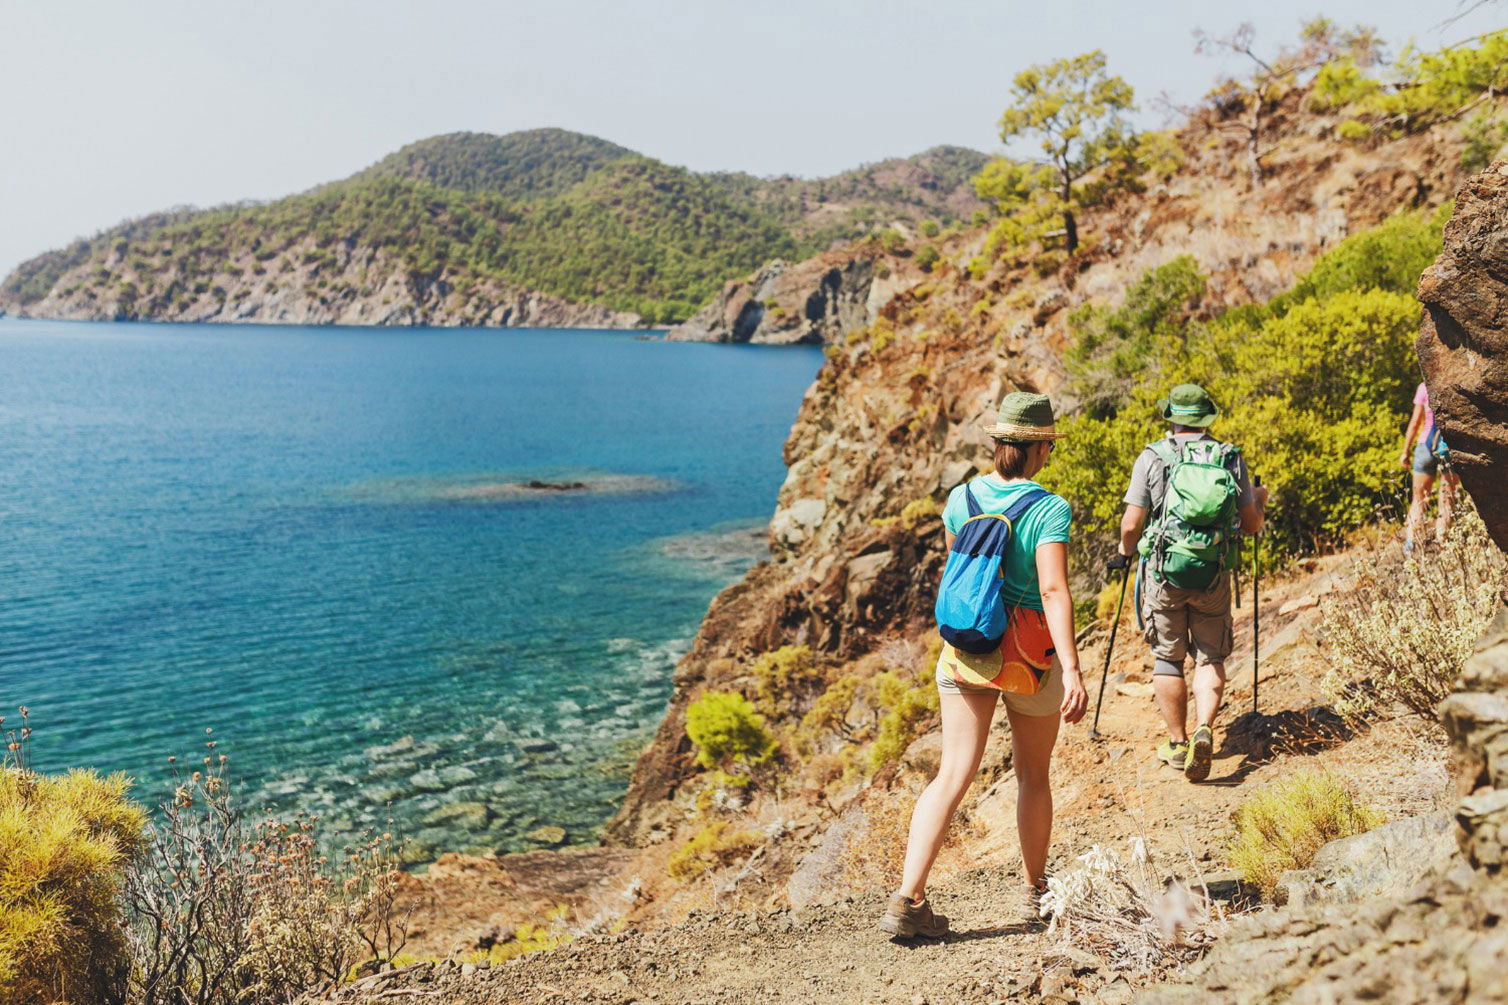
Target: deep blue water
[{"x": 287, "y": 535}]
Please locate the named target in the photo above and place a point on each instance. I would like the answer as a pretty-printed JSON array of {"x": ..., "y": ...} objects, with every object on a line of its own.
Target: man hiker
[{"x": 1192, "y": 536}]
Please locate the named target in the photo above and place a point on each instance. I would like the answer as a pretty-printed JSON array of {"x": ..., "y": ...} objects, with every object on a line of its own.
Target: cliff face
[
  {"x": 350, "y": 285},
  {"x": 1463, "y": 344},
  {"x": 894, "y": 419}
]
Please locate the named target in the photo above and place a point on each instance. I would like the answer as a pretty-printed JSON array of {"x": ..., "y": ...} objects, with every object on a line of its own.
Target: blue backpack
[{"x": 970, "y": 614}]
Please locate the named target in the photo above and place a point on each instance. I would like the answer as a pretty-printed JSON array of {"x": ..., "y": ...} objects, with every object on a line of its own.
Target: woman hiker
[
  {"x": 1034, "y": 670},
  {"x": 1428, "y": 458}
]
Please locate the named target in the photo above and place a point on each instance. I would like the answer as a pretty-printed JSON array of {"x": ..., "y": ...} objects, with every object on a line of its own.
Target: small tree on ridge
[{"x": 1075, "y": 108}]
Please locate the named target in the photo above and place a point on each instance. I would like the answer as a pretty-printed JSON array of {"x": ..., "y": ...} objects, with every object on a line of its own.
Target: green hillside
[
  {"x": 526, "y": 165},
  {"x": 565, "y": 214}
]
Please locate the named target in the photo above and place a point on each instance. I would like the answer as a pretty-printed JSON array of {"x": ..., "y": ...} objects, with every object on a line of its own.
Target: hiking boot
[
  {"x": 1031, "y": 905},
  {"x": 1174, "y": 752},
  {"x": 907, "y": 920},
  {"x": 1201, "y": 751}
]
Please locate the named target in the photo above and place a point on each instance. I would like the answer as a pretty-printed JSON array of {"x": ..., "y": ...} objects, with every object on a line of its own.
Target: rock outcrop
[
  {"x": 818, "y": 300},
  {"x": 350, "y": 286},
  {"x": 1463, "y": 344}
]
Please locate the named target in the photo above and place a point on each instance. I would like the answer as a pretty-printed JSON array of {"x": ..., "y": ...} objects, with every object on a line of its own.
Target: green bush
[
  {"x": 908, "y": 699},
  {"x": 65, "y": 842},
  {"x": 1285, "y": 825},
  {"x": 716, "y": 844},
  {"x": 728, "y": 731},
  {"x": 1314, "y": 387},
  {"x": 782, "y": 675}
]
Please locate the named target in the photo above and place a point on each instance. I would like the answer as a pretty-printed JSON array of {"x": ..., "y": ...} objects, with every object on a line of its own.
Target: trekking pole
[
  {"x": 1256, "y": 607},
  {"x": 1094, "y": 730}
]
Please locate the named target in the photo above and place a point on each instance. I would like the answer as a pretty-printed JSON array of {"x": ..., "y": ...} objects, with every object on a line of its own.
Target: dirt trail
[{"x": 1106, "y": 791}]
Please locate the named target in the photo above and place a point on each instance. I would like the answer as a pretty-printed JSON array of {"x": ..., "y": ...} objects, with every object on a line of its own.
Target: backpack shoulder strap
[
  {"x": 1027, "y": 500},
  {"x": 974, "y": 508},
  {"x": 1165, "y": 450}
]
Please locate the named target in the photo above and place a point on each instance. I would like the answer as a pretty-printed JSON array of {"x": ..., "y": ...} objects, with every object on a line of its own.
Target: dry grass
[
  {"x": 1402, "y": 636},
  {"x": 1285, "y": 825},
  {"x": 1122, "y": 910}
]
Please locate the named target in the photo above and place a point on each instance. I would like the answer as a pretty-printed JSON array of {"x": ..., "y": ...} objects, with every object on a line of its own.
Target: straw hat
[{"x": 1024, "y": 417}]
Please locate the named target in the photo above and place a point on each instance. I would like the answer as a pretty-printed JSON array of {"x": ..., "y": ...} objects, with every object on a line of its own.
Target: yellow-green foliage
[
  {"x": 908, "y": 699},
  {"x": 713, "y": 846},
  {"x": 728, "y": 731},
  {"x": 1314, "y": 387},
  {"x": 1408, "y": 633},
  {"x": 913, "y": 513},
  {"x": 527, "y": 938},
  {"x": 1285, "y": 825},
  {"x": 828, "y": 714},
  {"x": 1436, "y": 87},
  {"x": 783, "y": 674},
  {"x": 64, "y": 844}
]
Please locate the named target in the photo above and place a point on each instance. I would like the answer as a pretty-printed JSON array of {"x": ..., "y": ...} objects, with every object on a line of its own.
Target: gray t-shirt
[{"x": 1149, "y": 477}]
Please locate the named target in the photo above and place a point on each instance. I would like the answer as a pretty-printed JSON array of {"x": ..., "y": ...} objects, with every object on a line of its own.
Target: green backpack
[{"x": 1190, "y": 538}]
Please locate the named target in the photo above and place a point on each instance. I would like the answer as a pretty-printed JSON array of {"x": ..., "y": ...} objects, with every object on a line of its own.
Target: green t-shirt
[{"x": 1045, "y": 523}]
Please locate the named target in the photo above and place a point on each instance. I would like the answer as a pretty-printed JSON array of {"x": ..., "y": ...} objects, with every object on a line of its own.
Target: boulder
[
  {"x": 1387, "y": 861},
  {"x": 820, "y": 300},
  {"x": 1463, "y": 343}
]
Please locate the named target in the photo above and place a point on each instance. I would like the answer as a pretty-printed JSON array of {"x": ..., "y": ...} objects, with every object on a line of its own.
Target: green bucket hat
[
  {"x": 1188, "y": 405},
  {"x": 1024, "y": 417}
]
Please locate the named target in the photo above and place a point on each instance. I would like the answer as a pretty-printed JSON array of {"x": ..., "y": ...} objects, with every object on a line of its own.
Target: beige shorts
[
  {"x": 1180, "y": 620},
  {"x": 1047, "y": 701}
]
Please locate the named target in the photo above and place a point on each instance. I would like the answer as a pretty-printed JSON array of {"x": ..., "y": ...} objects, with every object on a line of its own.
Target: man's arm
[
  {"x": 1252, "y": 516},
  {"x": 1131, "y": 525}
]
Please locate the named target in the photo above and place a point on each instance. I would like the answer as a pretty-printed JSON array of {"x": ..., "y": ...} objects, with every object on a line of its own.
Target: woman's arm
[
  {"x": 1057, "y": 604},
  {"x": 1415, "y": 421}
]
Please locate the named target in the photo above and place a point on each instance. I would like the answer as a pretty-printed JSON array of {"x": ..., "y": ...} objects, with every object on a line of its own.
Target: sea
[{"x": 427, "y": 580}]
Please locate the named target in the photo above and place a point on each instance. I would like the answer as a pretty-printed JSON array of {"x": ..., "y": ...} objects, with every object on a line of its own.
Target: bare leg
[
  {"x": 1032, "y": 739},
  {"x": 1173, "y": 702},
  {"x": 1417, "y": 505},
  {"x": 965, "y": 730},
  {"x": 1209, "y": 687},
  {"x": 1448, "y": 486}
]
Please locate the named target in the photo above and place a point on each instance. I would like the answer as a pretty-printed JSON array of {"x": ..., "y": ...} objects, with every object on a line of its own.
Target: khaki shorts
[
  {"x": 1179, "y": 620},
  {"x": 1045, "y": 702}
]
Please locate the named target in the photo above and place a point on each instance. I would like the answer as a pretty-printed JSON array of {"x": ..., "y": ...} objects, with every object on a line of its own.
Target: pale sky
[{"x": 114, "y": 108}]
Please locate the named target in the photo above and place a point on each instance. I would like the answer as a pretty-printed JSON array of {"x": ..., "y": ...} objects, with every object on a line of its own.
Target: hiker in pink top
[{"x": 1429, "y": 458}]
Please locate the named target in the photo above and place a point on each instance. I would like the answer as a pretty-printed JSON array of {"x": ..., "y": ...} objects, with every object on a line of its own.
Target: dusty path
[{"x": 1106, "y": 791}]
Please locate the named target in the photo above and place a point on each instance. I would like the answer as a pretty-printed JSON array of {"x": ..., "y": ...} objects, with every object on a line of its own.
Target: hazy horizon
[{"x": 170, "y": 103}]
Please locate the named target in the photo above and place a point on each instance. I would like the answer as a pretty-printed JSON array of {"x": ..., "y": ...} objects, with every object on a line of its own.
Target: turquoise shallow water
[{"x": 309, "y": 540}]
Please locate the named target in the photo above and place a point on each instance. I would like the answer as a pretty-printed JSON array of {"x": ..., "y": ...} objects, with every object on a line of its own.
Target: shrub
[
  {"x": 928, "y": 256},
  {"x": 222, "y": 910},
  {"x": 65, "y": 842},
  {"x": 1406, "y": 633},
  {"x": 714, "y": 846},
  {"x": 909, "y": 699},
  {"x": 1286, "y": 824},
  {"x": 782, "y": 675},
  {"x": 728, "y": 731},
  {"x": 1313, "y": 386},
  {"x": 828, "y": 714},
  {"x": 1129, "y": 911},
  {"x": 527, "y": 938}
]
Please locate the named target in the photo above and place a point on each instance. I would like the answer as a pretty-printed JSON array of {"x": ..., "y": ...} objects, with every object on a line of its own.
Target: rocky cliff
[
  {"x": 346, "y": 285},
  {"x": 1463, "y": 344},
  {"x": 822, "y": 299}
]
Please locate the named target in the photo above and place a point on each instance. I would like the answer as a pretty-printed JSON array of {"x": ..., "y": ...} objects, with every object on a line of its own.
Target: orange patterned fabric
[{"x": 1018, "y": 666}]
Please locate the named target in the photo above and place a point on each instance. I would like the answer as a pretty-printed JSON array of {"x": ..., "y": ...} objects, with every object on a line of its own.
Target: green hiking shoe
[
  {"x": 1174, "y": 752},
  {"x": 1201, "y": 752}
]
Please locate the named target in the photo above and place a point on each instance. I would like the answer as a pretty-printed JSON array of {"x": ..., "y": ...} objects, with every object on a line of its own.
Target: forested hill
[{"x": 539, "y": 227}]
